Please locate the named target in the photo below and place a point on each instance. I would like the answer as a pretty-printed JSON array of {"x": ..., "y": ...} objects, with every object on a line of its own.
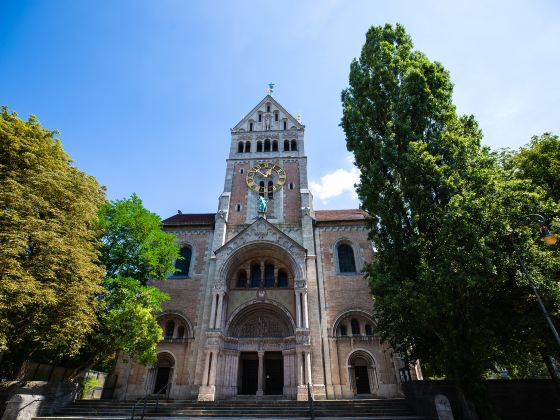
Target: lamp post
[{"x": 549, "y": 239}]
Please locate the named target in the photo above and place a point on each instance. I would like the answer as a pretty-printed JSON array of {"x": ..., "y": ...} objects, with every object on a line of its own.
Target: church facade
[{"x": 269, "y": 296}]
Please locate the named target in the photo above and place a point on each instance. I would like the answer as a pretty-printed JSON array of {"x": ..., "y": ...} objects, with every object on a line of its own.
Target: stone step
[
  {"x": 240, "y": 408},
  {"x": 256, "y": 410},
  {"x": 405, "y": 417}
]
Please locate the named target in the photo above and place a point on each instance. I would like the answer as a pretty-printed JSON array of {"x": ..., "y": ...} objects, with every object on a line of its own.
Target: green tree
[
  {"x": 445, "y": 280},
  {"x": 134, "y": 250},
  {"x": 133, "y": 244},
  {"x": 539, "y": 161},
  {"x": 49, "y": 271}
]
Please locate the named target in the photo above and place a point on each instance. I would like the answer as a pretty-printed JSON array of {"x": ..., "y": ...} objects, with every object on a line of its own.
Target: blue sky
[{"x": 144, "y": 92}]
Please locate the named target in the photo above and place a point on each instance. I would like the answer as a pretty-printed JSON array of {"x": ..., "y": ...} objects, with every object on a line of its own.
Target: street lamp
[{"x": 549, "y": 239}]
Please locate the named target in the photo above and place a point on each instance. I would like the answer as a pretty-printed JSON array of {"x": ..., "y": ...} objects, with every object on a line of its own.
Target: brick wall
[
  {"x": 238, "y": 195},
  {"x": 292, "y": 201},
  {"x": 344, "y": 292}
]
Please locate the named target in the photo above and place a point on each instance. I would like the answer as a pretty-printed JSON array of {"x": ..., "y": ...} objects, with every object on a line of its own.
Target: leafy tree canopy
[
  {"x": 49, "y": 271},
  {"x": 134, "y": 250},
  {"x": 133, "y": 244},
  {"x": 447, "y": 287},
  {"x": 540, "y": 162},
  {"x": 73, "y": 267}
]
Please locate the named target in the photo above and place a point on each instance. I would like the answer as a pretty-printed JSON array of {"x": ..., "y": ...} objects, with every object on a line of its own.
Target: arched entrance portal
[
  {"x": 362, "y": 373},
  {"x": 262, "y": 335},
  {"x": 162, "y": 373}
]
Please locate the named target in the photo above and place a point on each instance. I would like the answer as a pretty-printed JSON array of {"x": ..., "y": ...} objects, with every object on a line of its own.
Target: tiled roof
[
  {"x": 338, "y": 215},
  {"x": 190, "y": 219}
]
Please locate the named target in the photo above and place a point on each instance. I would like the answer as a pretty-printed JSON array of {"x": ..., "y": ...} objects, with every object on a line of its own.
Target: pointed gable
[
  {"x": 261, "y": 230},
  {"x": 268, "y": 115}
]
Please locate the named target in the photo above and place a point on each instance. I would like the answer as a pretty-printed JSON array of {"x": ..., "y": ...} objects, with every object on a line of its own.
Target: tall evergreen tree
[{"x": 446, "y": 284}]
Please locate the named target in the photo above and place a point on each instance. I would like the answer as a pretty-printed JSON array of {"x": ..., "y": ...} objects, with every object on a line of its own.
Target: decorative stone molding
[
  {"x": 339, "y": 228},
  {"x": 300, "y": 284},
  {"x": 271, "y": 307},
  {"x": 184, "y": 233},
  {"x": 271, "y": 136},
  {"x": 219, "y": 288},
  {"x": 221, "y": 214}
]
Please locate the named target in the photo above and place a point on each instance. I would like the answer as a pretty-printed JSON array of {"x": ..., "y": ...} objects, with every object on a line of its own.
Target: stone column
[
  {"x": 205, "y": 373},
  {"x": 298, "y": 311},
  {"x": 301, "y": 368},
  {"x": 260, "y": 374},
  {"x": 308, "y": 377},
  {"x": 305, "y": 312},
  {"x": 220, "y": 310},
  {"x": 213, "y": 312},
  {"x": 300, "y": 372},
  {"x": 213, "y": 365},
  {"x": 286, "y": 365},
  {"x": 352, "y": 379}
]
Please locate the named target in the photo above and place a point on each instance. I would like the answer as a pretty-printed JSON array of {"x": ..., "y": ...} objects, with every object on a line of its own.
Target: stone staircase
[{"x": 378, "y": 409}]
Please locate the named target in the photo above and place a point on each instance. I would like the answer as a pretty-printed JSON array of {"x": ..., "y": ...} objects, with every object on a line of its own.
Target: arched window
[
  {"x": 180, "y": 332},
  {"x": 294, "y": 145},
  {"x": 169, "y": 329},
  {"x": 286, "y": 145},
  {"x": 267, "y": 107},
  {"x": 260, "y": 117},
  {"x": 269, "y": 275},
  {"x": 255, "y": 275},
  {"x": 275, "y": 115},
  {"x": 238, "y": 207},
  {"x": 343, "y": 330},
  {"x": 270, "y": 190},
  {"x": 274, "y": 146},
  {"x": 183, "y": 264},
  {"x": 240, "y": 147},
  {"x": 250, "y": 126},
  {"x": 285, "y": 125},
  {"x": 267, "y": 145},
  {"x": 346, "y": 262},
  {"x": 291, "y": 185},
  {"x": 282, "y": 279},
  {"x": 259, "y": 146},
  {"x": 368, "y": 330},
  {"x": 261, "y": 188},
  {"x": 241, "y": 279},
  {"x": 355, "y": 326},
  {"x": 247, "y": 146}
]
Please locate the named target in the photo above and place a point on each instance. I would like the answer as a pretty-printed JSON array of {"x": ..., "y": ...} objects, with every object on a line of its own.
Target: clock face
[{"x": 265, "y": 172}]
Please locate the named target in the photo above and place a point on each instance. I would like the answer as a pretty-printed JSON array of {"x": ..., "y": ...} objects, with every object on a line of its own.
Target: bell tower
[{"x": 266, "y": 173}]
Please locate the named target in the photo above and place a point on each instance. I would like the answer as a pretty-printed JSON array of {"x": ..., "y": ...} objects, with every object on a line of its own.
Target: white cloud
[{"x": 335, "y": 183}]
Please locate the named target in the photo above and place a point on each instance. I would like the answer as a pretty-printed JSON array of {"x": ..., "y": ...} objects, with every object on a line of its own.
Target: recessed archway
[
  {"x": 160, "y": 375},
  {"x": 260, "y": 319},
  {"x": 262, "y": 332},
  {"x": 362, "y": 373}
]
